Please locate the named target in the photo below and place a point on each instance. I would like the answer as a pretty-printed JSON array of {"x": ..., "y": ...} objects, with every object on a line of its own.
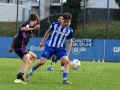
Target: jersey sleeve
[
  {"x": 26, "y": 24},
  {"x": 70, "y": 36},
  {"x": 51, "y": 27}
]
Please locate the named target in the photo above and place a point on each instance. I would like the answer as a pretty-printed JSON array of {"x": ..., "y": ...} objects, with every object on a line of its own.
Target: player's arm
[
  {"x": 51, "y": 28},
  {"x": 26, "y": 28},
  {"x": 45, "y": 36},
  {"x": 70, "y": 43},
  {"x": 12, "y": 45}
]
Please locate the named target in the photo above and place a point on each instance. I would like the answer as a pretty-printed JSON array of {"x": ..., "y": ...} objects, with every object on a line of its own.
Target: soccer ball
[{"x": 75, "y": 64}]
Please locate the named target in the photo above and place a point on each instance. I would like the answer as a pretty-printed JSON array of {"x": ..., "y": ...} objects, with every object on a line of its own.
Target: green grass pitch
[{"x": 90, "y": 76}]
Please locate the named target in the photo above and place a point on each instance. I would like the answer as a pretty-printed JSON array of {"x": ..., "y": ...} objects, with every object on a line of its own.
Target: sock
[
  {"x": 20, "y": 75},
  {"x": 56, "y": 60},
  {"x": 62, "y": 64},
  {"x": 51, "y": 63},
  {"x": 65, "y": 75},
  {"x": 33, "y": 69}
]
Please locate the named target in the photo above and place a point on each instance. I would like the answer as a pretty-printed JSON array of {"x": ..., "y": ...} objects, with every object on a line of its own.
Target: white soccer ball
[{"x": 75, "y": 64}]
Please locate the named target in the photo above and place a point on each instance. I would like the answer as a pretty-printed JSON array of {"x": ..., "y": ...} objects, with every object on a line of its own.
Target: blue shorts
[{"x": 49, "y": 51}]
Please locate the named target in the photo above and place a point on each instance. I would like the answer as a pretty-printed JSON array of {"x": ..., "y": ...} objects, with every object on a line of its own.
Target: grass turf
[{"x": 90, "y": 76}]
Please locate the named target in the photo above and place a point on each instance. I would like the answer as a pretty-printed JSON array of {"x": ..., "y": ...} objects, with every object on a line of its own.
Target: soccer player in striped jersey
[
  {"x": 54, "y": 58},
  {"x": 59, "y": 33},
  {"x": 19, "y": 45}
]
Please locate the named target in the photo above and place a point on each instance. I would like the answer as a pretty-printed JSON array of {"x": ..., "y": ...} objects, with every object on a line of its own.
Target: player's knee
[
  {"x": 66, "y": 62},
  {"x": 35, "y": 56}
]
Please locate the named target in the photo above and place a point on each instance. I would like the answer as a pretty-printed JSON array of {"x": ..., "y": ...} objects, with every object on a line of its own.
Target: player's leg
[
  {"x": 52, "y": 63},
  {"x": 65, "y": 61},
  {"x": 26, "y": 59},
  {"x": 47, "y": 53},
  {"x": 32, "y": 56},
  {"x": 53, "y": 57},
  {"x": 62, "y": 67},
  {"x": 33, "y": 69},
  {"x": 64, "y": 58},
  {"x": 32, "y": 59}
]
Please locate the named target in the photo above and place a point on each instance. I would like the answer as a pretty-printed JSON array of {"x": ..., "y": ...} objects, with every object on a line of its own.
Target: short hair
[
  {"x": 60, "y": 16},
  {"x": 33, "y": 17},
  {"x": 67, "y": 16}
]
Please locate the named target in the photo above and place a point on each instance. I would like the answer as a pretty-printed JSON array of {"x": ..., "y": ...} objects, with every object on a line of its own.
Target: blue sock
[
  {"x": 33, "y": 69},
  {"x": 56, "y": 60},
  {"x": 65, "y": 75}
]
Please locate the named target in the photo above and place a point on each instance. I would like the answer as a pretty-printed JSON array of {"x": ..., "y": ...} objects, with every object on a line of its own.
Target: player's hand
[
  {"x": 41, "y": 44},
  {"x": 10, "y": 51},
  {"x": 37, "y": 27}
]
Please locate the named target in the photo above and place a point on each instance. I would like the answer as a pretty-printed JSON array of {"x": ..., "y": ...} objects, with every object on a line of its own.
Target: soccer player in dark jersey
[
  {"x": 59, "y": 33},
  {"x": 19, "y": 45}
]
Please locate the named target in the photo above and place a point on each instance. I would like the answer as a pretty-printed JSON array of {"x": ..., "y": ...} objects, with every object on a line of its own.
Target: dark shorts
[{"x": 21, "y": 52}]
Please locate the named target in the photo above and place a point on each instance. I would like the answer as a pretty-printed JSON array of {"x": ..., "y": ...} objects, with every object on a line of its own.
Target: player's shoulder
[
  {"x": 26, "y": 22},
  {"x": 56, "y": 23},
  {"x": 70, "y": 28}
]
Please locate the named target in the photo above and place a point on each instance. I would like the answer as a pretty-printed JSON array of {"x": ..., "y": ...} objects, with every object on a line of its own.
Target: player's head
[
  {"x": 60, "y": 18},
  {"x": 66, "y": 19},
  {"x": 34, "y": 18}
]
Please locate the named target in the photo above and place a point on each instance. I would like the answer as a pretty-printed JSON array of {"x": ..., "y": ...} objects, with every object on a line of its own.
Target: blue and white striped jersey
[{"x": 59, "y": 35}]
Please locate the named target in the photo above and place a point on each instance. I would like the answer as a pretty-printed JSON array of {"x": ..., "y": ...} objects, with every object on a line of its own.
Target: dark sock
[
  {"x": 62, "y": 64},
  {"x": 20, "y": 75},
  {"x": 51, "y": 63}
]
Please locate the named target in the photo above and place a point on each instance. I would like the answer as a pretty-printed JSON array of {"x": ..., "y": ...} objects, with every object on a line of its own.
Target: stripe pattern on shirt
[{"x": 58, "y": 35}]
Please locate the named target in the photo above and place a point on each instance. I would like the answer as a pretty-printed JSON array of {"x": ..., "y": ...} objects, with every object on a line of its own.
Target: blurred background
[
  {"x": 91, "y": 18},
  {"x": 96, "y": 25}
]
